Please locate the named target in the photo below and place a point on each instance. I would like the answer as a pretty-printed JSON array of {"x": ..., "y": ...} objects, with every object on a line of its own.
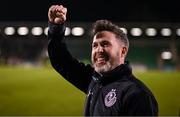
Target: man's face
[{"x": 106, "y": 52}]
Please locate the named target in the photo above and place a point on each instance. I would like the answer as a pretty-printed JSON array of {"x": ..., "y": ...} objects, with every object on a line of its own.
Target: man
[{"x": 111, "y": 88}]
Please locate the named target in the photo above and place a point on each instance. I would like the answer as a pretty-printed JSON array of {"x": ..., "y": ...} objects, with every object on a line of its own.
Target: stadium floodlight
[
  {"x": 136, "y": 32},
  {"x": 9, "y": 30},
  {"x": 124, "y": 30},
  {"x": 23, "y": 30},
  {"x": 151, "y": 32},
  {"x": 67, "y": 31},
  {"x": 178, "y": 32},
  {"x": 166, "y": 32},
  {"x": 37, "y": 31},
  {"x": 166, "y": 55},
  {"x": 77, "y": 31},
  {"x": 46, "y": 31}
]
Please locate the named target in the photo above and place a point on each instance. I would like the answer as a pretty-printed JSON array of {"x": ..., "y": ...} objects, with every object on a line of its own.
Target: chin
[{"x": 104, "y": 68}]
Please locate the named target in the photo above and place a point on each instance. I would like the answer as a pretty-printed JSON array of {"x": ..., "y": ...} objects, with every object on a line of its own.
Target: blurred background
[{"x": 29, "y": 86}]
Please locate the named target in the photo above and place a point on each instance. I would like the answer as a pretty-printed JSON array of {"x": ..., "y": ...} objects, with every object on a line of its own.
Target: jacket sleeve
[{"x": 62, "y": 61}]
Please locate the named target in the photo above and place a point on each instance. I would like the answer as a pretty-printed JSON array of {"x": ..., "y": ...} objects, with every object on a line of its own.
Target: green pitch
[{"x": 42, "y": 91}]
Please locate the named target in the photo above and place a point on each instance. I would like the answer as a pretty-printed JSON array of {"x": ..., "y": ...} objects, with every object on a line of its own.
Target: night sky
[{"x": 91, "y": 10}]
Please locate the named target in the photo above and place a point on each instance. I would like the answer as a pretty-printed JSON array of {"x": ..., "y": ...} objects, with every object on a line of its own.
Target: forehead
[{"x": 104, "y": 35}]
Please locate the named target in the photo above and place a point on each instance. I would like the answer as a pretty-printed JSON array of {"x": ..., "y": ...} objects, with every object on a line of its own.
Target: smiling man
[
  {"x": 108, "y": 51},
  {"x": 111, "y": 88}
]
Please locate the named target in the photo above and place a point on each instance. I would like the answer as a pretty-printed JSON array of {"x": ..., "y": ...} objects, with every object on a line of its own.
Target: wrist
[{"x": 55, "y": 28}]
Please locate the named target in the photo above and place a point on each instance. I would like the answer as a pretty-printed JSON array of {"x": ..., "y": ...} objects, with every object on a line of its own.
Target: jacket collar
[{"x": 116, "y": 74}]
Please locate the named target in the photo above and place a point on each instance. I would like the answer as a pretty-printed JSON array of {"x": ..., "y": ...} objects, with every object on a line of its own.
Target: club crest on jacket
[{"x": 110, "y": 98}]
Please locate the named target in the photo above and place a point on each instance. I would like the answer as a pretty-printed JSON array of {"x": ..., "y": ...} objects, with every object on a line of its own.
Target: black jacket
[{"x": 115, "y": 93}]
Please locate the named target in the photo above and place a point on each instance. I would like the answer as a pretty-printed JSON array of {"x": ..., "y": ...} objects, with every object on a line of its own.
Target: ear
[{"x": 124, "y": 52}]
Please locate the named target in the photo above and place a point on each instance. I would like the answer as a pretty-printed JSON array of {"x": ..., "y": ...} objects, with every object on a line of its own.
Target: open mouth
[{"x": 101, "y": 59}]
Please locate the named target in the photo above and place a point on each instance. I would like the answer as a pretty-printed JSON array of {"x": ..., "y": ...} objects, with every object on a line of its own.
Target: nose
[{"x": 100, "y": 49}]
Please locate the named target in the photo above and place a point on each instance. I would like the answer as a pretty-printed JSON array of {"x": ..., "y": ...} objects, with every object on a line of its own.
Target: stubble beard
[
  {"x": 108, "y": 66},
  {"x": 103, "y": 68}
]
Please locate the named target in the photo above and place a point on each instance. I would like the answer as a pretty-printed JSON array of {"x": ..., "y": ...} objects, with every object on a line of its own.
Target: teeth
[{"x": 100, "y": 59}]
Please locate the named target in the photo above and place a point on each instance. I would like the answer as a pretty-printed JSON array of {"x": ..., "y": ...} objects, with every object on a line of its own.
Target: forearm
[{"x": 57, "y": 49}]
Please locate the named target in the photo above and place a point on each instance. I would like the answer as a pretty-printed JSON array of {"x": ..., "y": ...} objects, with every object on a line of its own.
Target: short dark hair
[{"x": 105, "y": 25}]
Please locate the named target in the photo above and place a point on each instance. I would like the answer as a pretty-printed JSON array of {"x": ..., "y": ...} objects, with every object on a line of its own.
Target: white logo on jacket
[{"x": 110, "y": 98}]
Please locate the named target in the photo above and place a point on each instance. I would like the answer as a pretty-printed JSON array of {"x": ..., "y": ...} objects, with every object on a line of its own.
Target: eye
[
  {"x": 94, "y": 45},
  {"x": 105, "y": 44}
]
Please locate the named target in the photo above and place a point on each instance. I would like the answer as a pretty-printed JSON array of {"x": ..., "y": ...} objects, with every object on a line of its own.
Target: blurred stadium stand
[{"x": 152, "y": 45}]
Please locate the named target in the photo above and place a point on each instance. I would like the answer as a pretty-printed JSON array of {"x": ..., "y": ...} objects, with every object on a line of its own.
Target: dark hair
[{"x": 105, "y": 25}]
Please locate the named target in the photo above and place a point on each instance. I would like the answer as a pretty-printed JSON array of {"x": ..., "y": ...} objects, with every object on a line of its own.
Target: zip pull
[{"x": 95, "y": 79}]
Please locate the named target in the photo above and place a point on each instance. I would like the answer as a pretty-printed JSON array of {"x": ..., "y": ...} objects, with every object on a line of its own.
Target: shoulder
[
  {"x": 136, "y": 87},
  {"x": 138, "y": 92},
  {"x": 131, "y": 86},
  {"x": 128, "y": 87}
]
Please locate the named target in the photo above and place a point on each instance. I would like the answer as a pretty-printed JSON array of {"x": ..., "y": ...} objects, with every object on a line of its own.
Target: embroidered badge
[{"x": 110, "y": 98}]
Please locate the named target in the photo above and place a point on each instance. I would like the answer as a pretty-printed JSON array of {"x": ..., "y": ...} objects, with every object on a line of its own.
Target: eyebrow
[{"x": 101, "y": 42}]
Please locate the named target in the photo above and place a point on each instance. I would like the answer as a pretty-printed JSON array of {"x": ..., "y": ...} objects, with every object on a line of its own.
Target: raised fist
[{"x": 57, "y": 14}]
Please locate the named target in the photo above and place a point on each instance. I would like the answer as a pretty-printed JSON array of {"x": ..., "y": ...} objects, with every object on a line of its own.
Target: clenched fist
[{"x": 57, "y": 14}]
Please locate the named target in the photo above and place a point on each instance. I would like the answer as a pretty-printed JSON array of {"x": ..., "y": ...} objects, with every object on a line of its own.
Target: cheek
[
  {"x": 115, "y": 52},
  {"x": 92, "y": 54}
]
